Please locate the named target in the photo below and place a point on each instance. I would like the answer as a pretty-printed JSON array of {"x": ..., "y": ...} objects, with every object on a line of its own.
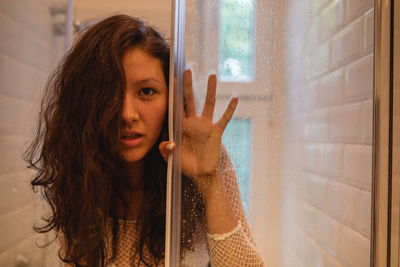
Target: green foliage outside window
[
  {"x": 236, "y": 40},
  {"x": 237, "y": 140}
]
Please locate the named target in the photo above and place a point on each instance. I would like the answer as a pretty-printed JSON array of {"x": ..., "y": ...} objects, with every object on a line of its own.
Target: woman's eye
[{"x": 146, "y": 91}]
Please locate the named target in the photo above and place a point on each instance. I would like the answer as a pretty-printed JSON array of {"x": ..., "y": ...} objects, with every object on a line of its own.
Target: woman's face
[{"x": 144, "y": 105}]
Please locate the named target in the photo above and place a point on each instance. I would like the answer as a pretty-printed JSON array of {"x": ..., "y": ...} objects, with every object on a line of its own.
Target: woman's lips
[{"x": 131, "y": 140}]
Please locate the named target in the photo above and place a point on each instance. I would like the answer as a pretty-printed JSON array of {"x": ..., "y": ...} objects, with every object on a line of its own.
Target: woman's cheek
[{"x": 156, "y": 115}]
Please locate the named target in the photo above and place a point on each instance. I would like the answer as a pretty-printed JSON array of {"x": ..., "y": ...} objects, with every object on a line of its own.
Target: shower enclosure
[
  {"x": 314, "y": 140},
  {"x": 313, "y": 144}
]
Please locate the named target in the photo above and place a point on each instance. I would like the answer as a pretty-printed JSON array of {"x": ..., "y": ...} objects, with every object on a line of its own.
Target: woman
[{"x": 100, "y": 153}]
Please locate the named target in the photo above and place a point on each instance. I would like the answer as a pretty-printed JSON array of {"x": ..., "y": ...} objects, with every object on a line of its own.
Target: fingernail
[{"x": 170, "y": 146}]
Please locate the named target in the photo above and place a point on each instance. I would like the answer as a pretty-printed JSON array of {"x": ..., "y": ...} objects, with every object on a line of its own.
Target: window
[
  {"x": 237, "y": 140},
  {"x": 236, "y": 41}
]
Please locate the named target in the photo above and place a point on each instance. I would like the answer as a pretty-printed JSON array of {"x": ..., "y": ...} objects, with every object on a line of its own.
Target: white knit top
[
  {"x": 236, "y": 248},
  {"x": 229, "y": 249}
]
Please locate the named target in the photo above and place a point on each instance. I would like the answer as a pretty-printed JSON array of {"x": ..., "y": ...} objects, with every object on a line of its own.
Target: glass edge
[{"x": 174, "y": 175}]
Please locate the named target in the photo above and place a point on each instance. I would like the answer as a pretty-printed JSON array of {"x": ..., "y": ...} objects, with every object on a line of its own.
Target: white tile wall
[
  {"x": 357, "y": 166},
  {"x": 359, "y": 79},
  {"x": 14, "y": 191},
  {"x": 331, "y": 88},
  {"x": 28, "y": 76},
  {"x": 27, "y": 53},
  {"x": 327, "y": 153},
  {"x": 331, "y": 18}
]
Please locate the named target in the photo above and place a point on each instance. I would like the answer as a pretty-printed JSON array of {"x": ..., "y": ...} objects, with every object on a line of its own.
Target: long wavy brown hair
[{"x": 74, "y": 152}]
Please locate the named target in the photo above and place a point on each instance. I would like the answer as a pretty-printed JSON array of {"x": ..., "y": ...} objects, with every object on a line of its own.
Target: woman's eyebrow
[{"x": 146, "y": 80}]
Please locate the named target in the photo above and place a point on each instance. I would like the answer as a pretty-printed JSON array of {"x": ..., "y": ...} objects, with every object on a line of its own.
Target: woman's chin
[{"x": 132, "y": 157}]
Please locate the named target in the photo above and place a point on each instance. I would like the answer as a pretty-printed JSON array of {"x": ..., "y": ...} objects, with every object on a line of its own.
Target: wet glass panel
[{"x": 309, "y": 108}]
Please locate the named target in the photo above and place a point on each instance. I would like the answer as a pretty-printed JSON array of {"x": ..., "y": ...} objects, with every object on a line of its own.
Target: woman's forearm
[{"x": 219, "y": 214}]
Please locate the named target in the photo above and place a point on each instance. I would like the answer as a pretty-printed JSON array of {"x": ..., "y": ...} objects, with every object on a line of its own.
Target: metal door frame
[{"x": 386, "y": 185}]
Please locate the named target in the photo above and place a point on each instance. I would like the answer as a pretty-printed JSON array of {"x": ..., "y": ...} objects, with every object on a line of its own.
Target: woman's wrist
[
  {"x": 208, "y": 185},
  {"x": 219, "y": 214}
]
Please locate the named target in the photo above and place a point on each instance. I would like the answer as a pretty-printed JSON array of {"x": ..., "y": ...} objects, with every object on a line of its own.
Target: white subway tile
[
  {"x": 358, "y": 166},
  {"x": 349, "y": 205},
  {"x": 345, "y": 123},
  {"x": 298, "y": 16},
  {"x": 331, "y": 19},
  {"x": 19, "y": 80},
  {"x": 302, "y": 97},
  {"x": 325, "y": 200},
  {"x": 367, "y": 121},
  {"x": 299, "y": 188},
  {"x": 330, "y": 261},
  {"x": 348, "y": 44},
  {"x": 15, "y": 191},
  {"x": 359, "y": 79},
  {"x": 11, "y": 36},
  {"x": 27, "y": 248},
  {"x": 331, "y": 88},
  {"x": 352, "y": 203},
  {"x": 299, "y": 249},
  {"x": 329, "y": 160},
  {"x": 313, "y": 35},
  {"x": 316, "y": 189},
  {"x": 22, "y": 45},
  {"x": 326, "y": 232},
  {"x": 354, "y": 249},
  {"x": 11, "y": 148},
  {"x": 297, "y": 60},
  {"x": 21, "y": 12},
  {"x": 15, "y": 226},
  {"x": 310, "y": 252},
  {"x": 317, "y": 5},
  {"x": 355, "y": 8},
  {"x": 369, "y": 32},
  {"x": 297, "y": 128},
  {"x": 36, "y": 52},
  {"x": 295, "y": 97},
  {"x": 320, "y": 60},
  {"x": 295, "y": 156},
  {"x": 304, "y": 216},
  {"x": 311, "y": 95},
  {"x": 308, "y": 156},
  {"x": 18, "y": 117},
  {"x": 364, "y": 223},
  {"x": 316, "y": 128},
  {"x": 333, "y": 201}
]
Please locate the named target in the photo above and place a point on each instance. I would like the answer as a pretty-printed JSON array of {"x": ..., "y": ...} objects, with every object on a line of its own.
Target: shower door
[{"x": 301, "y": 137}]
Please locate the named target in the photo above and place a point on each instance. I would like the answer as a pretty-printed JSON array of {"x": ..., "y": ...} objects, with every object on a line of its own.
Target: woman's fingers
[
  {"x": 166, "y": 148},
  {"x": 209, "y": 105},
  {"x": 190, "y": 106},
  {"x": 226, "y": 117}
]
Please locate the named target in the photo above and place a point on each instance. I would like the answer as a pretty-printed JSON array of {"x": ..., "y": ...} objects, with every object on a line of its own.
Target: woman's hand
[{"x": 201, "y": 137}]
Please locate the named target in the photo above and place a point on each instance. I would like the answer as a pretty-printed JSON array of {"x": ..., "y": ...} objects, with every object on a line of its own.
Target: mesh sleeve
[
  {"x": 236, "y": 248},
  {"x": 233, "y": 249}
]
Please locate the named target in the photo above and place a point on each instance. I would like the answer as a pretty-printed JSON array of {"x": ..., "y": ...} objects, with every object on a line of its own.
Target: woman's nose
[{"x": 129, "y": 109}]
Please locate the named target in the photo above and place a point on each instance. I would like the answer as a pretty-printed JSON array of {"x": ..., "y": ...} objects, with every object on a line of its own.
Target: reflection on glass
[{"x": 236, "y": 40}]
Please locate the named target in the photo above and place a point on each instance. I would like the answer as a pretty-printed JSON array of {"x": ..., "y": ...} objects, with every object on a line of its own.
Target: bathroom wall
[
  {"x": 27, "y": 52},
  {"x": 155, "y": 12},
  {"x": 327, "y": 133}
]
